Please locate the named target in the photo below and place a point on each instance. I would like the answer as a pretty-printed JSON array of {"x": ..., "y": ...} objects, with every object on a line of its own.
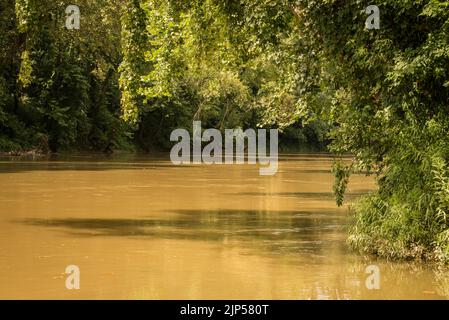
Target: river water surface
[{"x": 139, "y": 227}]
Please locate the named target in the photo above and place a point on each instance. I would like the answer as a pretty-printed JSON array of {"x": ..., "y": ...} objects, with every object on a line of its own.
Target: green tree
[
  {"x": 387, "y": 91},
  {"x": 68, "y": 80}
]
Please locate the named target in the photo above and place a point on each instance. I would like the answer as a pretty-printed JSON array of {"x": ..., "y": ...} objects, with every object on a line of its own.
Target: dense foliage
[
  {"x": 133, "y": 72},
  {"x": 388, "y": 92},
  {"x": 61, "y": 86},
  {"x": 137, "y": 69}
]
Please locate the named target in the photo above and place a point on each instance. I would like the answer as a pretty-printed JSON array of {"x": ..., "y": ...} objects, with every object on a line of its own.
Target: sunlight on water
[{"x": 141, "y": 228}]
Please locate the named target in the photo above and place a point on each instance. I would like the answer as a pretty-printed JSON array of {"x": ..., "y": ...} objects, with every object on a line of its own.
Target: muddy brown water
[{"x": 139, "y": 227}]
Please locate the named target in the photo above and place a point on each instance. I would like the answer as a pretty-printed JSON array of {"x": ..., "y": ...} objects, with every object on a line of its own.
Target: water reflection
[
  {"x": 279, "y": 231},
  {"x": 141, "y": 228},
  {"x": 306, "y": 195}
]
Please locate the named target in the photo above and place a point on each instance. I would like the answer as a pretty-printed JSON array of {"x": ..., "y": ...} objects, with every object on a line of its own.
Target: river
[{"x": 139, "y": 227}]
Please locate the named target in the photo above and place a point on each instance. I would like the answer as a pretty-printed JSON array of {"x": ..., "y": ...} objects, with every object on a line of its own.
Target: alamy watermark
[
  {"x": 188, "y": 150},
  {"x": 73, "y": 279},
  {"x": 373, "y": 20},
  {"x": 73, "y": 19},
  {"x": 372, "y": 282}
]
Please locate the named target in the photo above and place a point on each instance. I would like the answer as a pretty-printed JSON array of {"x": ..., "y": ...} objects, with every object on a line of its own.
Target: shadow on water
[
  {"x": 131, "y": 161},
  {"x": 296, "y": 232},
  {"x": 303, "y": 195},
  {"x": 90, "y": 166},
  {"x": 87, "y": 162},
  {"x": 299, "y": 234}
]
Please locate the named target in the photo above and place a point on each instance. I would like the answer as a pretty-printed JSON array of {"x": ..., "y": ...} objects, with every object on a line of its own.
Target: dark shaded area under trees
[{"x": 127, "y": 77}]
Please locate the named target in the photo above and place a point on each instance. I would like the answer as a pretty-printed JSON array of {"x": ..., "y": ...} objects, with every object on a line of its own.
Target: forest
[{"x": 136, "y": 70}]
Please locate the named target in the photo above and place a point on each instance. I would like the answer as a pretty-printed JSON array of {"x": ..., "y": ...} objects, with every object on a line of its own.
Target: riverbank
[{"x": 22, "y": 153}]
